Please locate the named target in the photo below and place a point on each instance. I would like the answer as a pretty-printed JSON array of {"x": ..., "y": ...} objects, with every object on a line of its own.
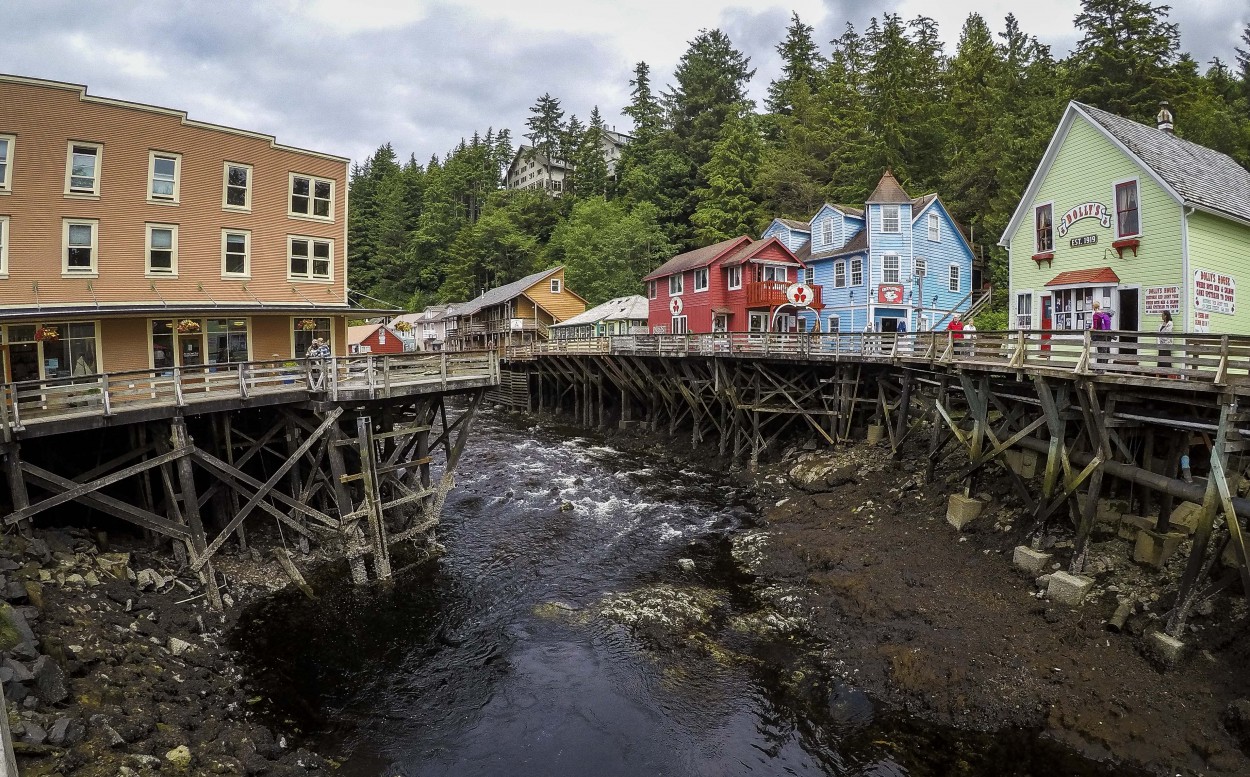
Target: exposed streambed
[{"x": 562, "y": 634}]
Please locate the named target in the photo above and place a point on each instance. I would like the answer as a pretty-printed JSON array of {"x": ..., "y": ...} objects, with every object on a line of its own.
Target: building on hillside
[
  {"x": 1136, "y": 219},
  {"x": 514, "y": 314},
  {"x": 135, "y": 238},
  {"x": 620, "y": 316},
  {"x": 899, "y": 259},
  {"x": 532, "y": 169},
  {"x": 373, "y": 338},
  {"x": 736, "y": 285},
  {"x": 425, "y": 331}
]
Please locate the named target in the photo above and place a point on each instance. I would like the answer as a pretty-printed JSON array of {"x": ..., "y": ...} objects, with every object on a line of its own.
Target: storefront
[{"x": 50, "y": 349}]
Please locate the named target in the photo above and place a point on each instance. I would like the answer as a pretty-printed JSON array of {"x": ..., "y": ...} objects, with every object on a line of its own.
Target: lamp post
[{"x": 922, "y": 265}]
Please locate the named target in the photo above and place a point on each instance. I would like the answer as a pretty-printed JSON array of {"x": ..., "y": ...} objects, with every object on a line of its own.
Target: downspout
[{"x": 1185, "y": 325}]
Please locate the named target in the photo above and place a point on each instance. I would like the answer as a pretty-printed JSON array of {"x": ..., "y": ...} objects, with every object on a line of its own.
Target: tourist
[
  {"x": 956, "y": 328},
  {"x": 1165, "y": 339},
  {"x": 970, "y": 334},
  {"x": 1101, "y": 322}
]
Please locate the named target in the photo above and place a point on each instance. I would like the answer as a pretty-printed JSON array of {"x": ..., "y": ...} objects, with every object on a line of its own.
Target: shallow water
[{"x": 493, "y": 661}]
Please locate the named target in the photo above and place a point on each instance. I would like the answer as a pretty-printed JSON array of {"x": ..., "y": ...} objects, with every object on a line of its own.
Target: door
[
  {"x": 24, "y": 361},
  {"x": 758, "y": 322},
  {"x": 888, "y": 324},
  {"x": 1048, "y": 312},
  {"x": 1129, "y": 320}
]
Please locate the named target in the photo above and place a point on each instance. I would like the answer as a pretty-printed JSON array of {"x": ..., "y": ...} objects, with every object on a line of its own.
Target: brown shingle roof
[
  {"x": 802, "y": 226},
  {"x": 700, "y": 257},
  {"x": 849, "y": 211},
  {"x": 857, "y": 244},
  {"x": 888, "y": 192},
  {"x": 747, "y": 251}
]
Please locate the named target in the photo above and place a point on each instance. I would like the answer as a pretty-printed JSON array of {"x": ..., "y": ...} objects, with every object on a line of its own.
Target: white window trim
[
  {"x": 247, "y": 254},
  {"x": 313, "y": 180},
  {"x": 898, "y": 220},
  {"x": 954, "y": 273},
  {"x": 1037, "y": 249},
  {"x": 733, "y": 272},
  {"x": 685, "y": 325},
  {"x": 680, "y": 284},
  {"x": 148, "y": 272},
  {"x": 701, "y": 273},
  {"x": 826, "y": 232},
  {"x": 809, "y": 275},
  {"x": 1115, "y": 208},
  {"x": 851, "y": 278},
  {"x": 152, "y": 156},
  {"x": 556, "y": 285},
  {"x": 94, "y": 270},
  {"x": 94, "y": 194},
  {"x": 935, "y": 228},
  {"x": 839, "y": 275},
  {"x": 310, "y": 278},
  {"x": 653, "y": 289},
  {"x": 6, "y": 180},
  {"x": 1015, "y": 308},
  {"x": 833, "y": 324},
  {"x": 246, "y": 207},
  {"x": 5, "y": 237},
  {"x": 898, "y": 269}
]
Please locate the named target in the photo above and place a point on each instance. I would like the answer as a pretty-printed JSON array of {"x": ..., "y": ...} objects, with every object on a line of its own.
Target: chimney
[{"x": 1165, "y": 116}]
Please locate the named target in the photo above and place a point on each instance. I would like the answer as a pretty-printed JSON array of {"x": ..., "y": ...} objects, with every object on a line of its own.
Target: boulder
[
  {"x": 49, "y": 680},
  {"x": 1068, "y": 589},
  {"x": 1030, "y": 561},
  {"x": 66, "y": 732},
  {"x": 179, "y": 646},
  {"x": 179, "y": 758},
  {"x": 817, "y": 474}
]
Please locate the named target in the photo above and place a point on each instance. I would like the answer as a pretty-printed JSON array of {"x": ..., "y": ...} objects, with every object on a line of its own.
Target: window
[
  {"x": 833, "y": 324},
  {"x": 4, "y": 245},
  {"x": 652, "y": 290},
  {"x": 82, "y": 168},
  {"x": 839, "y": 274},
  {"x": 679, "y": 325},
  {"x": 889, "y": 268},
  {"x": 734, "y": 277},
  {"x": 826, "y": 232},
  {"x": 675, "y": 284},
  {"x": 309, "y": 259},
  {"x": 1024, "y": 310},
  {"x": 773, "y": 273},
  {"x": 953, "y": 278},
  {"x": 79, "y": 238},
  {"x": 227, "y": 340},
  {"x": 6, "y": 163},
  {"x": 312, "y": 197},
  {"x": 1127, "y": 219},
  {"x": 1042, "y": 220},
  {"x": 557, "y": 186},
  {"x": 237, "y": 187},
  {"x": 305, "y": 331},
  {"x": 555, "y": 285},
  {"x": 162, "y": 249},
  {"x": 889, "y": 218},
  {"x": 164, "y": 171},
  {"x": 920, "y": 266},
  {"x": 935, "y": 228},
  {"x": 809, "y": 275},
  {"x": 73, "y": 352},
  {"x": 700, "y": 279},
  {"x": 236, "y": 253},
  {"x": 857, "y": 272}
]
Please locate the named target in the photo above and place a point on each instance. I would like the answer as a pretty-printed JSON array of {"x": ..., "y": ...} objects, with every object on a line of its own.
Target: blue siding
[
  {"x": 843, "y": 229},
  {"x": 793, "y": 239},
  {"x": 949, "y": 249}
]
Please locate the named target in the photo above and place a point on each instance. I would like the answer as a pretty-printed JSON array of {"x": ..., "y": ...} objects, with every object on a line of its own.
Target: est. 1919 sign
[{"x": 1084, "y": 240}]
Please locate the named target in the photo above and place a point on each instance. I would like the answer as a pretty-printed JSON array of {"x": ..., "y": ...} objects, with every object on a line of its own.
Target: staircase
[{"x": 972, "y": 303}]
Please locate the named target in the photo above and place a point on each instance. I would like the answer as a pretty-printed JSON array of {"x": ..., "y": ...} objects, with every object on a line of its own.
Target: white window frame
[
  {"x": 897, "y": 219},
  {"x": 734, "y": 278},
  {"x": 826, "y": 232},
  {"x": 310, "y": 276},
  {"x": 91, "y": 271},
  {"x": 680, "y": 325},
  {"x": 700, "y": 279},
  {"x": 935, "y": 228},
  {"x": 94, "y": 191},
  {"x": 1115, "y": 207},
  {"x": 886, "y": 269},
  {"x": 839, "y": 275},
  {"x": 556, "y": 285},
  {"x": 919, "y": 266},
  {"x": 161, "y": 199},
  {"x": 1023, "y": 320},
  {"x": 247, "y": 253},
  {"x": 4, "y": 246},
  {"x": 809, "y": 275},
  {"x": 953, "y": 282},
  {"x": 652, "y": 289},
  {"x": 857, "y": 268},
  {"x": 6, "y": 175},
  {"x": 150, "y": 271},
  {"x": 779, "y": 273},
  {"x": 1037, "y": 248},
  {"x": 833, "y": 324},
  {"x": 313, "y": 180},
  {"x": 676, "y": 285},
  {"x": 246, "y": 207}
]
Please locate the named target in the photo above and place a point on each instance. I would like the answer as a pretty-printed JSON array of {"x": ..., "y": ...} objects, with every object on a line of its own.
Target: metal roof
[
  {"x": 632, "y": 308},
  {"x": 502, "y": 294}
]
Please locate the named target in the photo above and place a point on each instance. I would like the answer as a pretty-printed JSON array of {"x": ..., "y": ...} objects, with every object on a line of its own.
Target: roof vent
[{"x": 1165, "y": 116}]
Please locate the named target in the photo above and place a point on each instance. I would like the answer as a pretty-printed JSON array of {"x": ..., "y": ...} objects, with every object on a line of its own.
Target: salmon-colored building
[{"x": 134, "y": 238}]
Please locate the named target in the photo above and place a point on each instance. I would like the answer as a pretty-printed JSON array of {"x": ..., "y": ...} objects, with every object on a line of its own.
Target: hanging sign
[
  {"x": 799, "y": 294},
  {"x": 675, "y": 306},
  {"x": 1086, "y": 210},
  {"x": 890, "y": 293},
  {"x": 1161, "y": 298},
  {"x": 1214, "y": 292}
]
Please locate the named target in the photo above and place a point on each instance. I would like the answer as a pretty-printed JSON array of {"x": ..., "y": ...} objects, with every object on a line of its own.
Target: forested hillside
[{"x": 705, "y": 163}]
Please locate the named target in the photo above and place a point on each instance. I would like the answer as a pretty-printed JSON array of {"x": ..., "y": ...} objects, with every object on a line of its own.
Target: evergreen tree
[
  {"x": 726, "y": 206},
  {"x": 801, "y": 64},
  {"x": 606, "y": 247},
  {"x": 589, "y": 161},
  {"x": 546, "y": 132},
  {"x": 1124, "y": 60}
]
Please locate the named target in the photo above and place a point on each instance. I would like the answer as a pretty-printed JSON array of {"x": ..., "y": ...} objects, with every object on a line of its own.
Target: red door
[{"x": 1047, "y": 310}]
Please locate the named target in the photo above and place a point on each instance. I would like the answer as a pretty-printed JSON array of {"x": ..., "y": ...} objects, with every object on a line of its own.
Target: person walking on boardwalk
[
  {"x": 1101, "y": 322},
  {"x": 956, "y": 328},
  {"x": 1165, "y": 340}
]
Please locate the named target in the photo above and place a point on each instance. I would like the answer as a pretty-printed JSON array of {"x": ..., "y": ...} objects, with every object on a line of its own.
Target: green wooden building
[{"x": 1136, "y": 219}]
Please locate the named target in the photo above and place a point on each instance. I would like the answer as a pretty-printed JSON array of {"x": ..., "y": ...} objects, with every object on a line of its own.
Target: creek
[{"x": 500, "y": 658}]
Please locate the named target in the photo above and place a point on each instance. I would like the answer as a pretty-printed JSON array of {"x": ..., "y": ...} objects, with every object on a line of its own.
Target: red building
[
  {"x": 737, "y": 285},
  {"x": 373, "y": 338}
]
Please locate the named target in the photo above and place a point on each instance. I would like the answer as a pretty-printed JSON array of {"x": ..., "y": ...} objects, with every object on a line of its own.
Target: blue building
[{"x": 898, "y": 259}]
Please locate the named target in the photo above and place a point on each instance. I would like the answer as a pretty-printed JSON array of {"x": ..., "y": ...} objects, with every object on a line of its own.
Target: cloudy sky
[{"x": 344, "y": 76}]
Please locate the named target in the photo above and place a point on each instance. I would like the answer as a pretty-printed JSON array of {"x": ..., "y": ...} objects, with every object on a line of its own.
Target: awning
[
  {"x": 1099, "y": 276},
  {"x": 722, "y": 310}
]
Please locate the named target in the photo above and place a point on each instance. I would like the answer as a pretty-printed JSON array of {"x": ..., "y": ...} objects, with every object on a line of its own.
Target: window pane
[
  {"x": 299, "y": 204},
  {"x": 322, "y": 190},
  {"x": 321, "y": 250},
  {"x": 4, "y": 151},
  {"x": 79, "y": 257},
  {"x": 321, "y": 207},
  {"x": 162, "y": 260},
  {"x": 162, "y": 238},
  {"x": 238, "y": 176},
  {"x": 321, "y": 269},
  {"x": 79, "y": 235},
  {"x": 299, "y": 186},
  {"x": 299, "y": 248},
  {"x": 236, "y": 196},
  {"x": 162, "y": 188},
  {"x": 163, "y": 167}
]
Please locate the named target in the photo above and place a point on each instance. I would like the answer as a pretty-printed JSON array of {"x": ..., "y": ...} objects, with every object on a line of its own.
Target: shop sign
[
  {"x": 799, "y": 294},
  {"x": 1084, "y": 240},
  {"x": 675, "y": 306},
  {"x": 1161, "y": 298},
  {"x": 1214, "y": 292},
  {"x": 890, "y": 293},
  {"x": 1086, "y": 210},
  {"x": 1202, "y": 322}
]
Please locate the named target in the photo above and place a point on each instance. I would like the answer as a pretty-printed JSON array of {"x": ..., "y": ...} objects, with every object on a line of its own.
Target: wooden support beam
[
  {"x": 373, "y": 499},
  {"x": 197, "y": 544}
]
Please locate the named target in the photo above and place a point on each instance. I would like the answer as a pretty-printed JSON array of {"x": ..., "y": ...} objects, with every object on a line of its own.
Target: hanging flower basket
[
  {"x": 47, "y": 334},
  {"x": 306, "y": 325},
  {"x": 188, "y": 326},
  {"x": 402, "y": 326}
]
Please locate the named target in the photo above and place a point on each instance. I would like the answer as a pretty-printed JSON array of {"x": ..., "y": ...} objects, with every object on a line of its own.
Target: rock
[
  {"x": 686, "y": 564},
  {"x": 566, "y": 506},
  {"x": 962, "y": 510},
  {"x": 1068, "y": 589},
  {"x": 114, "y": 564},
  {"x": 15, "y": 633},
  {"x": 150, "y": 578},
  {"x": 1029, "y": 560},
  {"x": 1131, "y": 524},
  {"x": 65, "y": 732},
  {"x": 1236, "y": 721},
  {"x": 821, "y": 473},
  {"x": 38, "y": 549},
  {"x": 34, "y": 593},
  {"x": 34, "y": 734},
  {"x": 1168, "y": 650},
  {"x": 49, "y": 681},
  {"x": 179, "y": 757},
  {"x": 178, "y": 646},
  {"x": 110, "y": 735},
  {"x": 20, "y": 673}
]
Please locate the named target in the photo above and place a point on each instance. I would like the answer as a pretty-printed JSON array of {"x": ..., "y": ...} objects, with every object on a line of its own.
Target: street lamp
[{"x": 921, "y": 266}]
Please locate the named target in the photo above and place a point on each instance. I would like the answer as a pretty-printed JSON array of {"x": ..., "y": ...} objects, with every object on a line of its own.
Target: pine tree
[
  {"x": 726, "y": 206},
  {"x": 606, "y": 247},
  {"x": 546, "y": 132},
  {"x": 801, "y": 64},
  {"x": 1124, "y": 63}
]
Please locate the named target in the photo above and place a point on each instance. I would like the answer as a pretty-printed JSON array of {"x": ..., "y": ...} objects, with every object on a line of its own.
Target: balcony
[{"x": 770, "y": 294}]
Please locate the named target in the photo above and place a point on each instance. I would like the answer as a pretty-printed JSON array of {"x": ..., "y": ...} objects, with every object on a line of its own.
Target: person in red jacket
[{"x": 956, "y": 328}]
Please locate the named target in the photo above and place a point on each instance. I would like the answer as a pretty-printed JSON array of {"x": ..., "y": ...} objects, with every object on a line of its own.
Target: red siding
[{"x": 392, "y": 345}]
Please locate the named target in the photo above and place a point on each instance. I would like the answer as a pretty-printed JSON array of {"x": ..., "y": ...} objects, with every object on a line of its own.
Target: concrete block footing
[
  {"x": 1167, "y": 649},
  {"x": 1154, "y": 549},
  {"x": 1131, "y": 524},
  {"x": 962, "y": 510},
  {"x": 1068, "y": 589},
  {"x": 1031, "y": 561},
  {"x": 876, "y": 433}
]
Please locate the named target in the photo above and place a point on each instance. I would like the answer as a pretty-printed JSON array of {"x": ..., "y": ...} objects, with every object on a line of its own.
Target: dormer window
[
  {"x": 889, "y": 218},
  {"x": 826, "y": 232},
  {"x": 935, "y": 228}
]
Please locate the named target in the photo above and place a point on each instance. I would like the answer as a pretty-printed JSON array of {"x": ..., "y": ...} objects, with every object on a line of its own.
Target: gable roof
[
  {"x": 744, "y": 254},
  {"x": 699, "y": 257},
  {"x": 795, "y": 224},
  {"x": 888, "y": 192},
  {"x": 358, "y": 334},
  {"x": 631, "y": 308},
  {"x": 503, "y": 293}
]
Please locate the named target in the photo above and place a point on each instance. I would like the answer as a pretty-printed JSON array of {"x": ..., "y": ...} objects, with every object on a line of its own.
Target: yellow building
[{"x": 514, "y": 314}]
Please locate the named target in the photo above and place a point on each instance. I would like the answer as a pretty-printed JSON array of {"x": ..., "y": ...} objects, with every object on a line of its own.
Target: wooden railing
[
  {"x": 773, "y": 293},
  {"x": 1220, "y": 360},
  {"x": 110, "y": 394}
]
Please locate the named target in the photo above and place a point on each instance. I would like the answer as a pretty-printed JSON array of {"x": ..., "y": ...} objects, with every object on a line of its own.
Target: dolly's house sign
[
  {"x": 1086, "y": 210},
  {"x": 1215, "y": 292}
]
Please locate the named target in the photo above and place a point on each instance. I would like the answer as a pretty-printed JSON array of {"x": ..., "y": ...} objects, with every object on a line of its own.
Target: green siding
[
  {"x": 1222, "y": 246},
  {"x": 1085, "y": 170}
]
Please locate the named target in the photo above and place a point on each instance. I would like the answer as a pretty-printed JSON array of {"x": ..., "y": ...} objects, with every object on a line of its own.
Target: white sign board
[
  {"x": 1214, "y": 292},
  {"x": 1161, "y": 298}
]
